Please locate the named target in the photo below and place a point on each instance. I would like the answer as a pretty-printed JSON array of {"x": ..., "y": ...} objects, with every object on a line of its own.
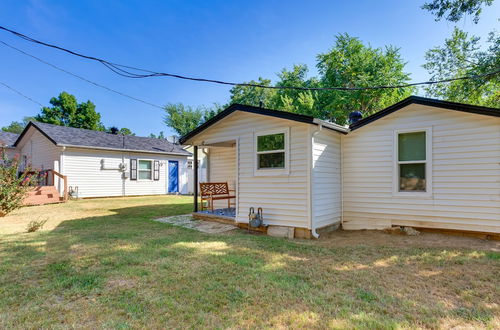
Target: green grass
[{"x": 104, "y": 264}]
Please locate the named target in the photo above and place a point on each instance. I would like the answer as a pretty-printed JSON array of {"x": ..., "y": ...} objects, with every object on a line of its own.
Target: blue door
[{"x": 173, "y": 176}]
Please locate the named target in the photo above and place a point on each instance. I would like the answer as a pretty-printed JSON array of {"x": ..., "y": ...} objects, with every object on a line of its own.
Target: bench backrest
[{"x": 214, "y": 188}]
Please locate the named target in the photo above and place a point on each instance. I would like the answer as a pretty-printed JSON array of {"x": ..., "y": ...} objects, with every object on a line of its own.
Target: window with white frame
[
  {"x": 271, "y": 150},
  {"x": 145, "y": 169},
  {"x": 412, "y": 161}
]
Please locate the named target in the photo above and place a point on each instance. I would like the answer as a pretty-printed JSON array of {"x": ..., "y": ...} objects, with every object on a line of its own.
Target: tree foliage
[
  {"x": 17, "y": 126},
  {"x": 119, "y": 131},
  {"x": 66, "y": 111},
  {"x": 161, "y": 135},
  {"x": 454, "y": 10},
  {"x": 349, "y": 63},
  {"x": 462, "y": 55},
  {"x": 183, "y": 118}
]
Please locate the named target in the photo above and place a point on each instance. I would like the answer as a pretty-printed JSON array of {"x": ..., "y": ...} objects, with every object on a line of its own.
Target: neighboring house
[
  {"x": 7, "y": 141},
  {"x": 421, "y": 163},
  {"x": 202, "y": 168},
  {"x": 99, "y": 164}
]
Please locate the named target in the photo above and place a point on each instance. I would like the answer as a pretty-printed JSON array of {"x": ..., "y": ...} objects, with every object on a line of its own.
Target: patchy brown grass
[{"x": 104, "y": 263}]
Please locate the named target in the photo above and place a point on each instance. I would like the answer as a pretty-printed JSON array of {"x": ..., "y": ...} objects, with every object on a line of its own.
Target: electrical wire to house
[
  {"x": 21, "y": 94},
  {"x": 80, "y": 77},
  {"x": 134, "y": 72}
]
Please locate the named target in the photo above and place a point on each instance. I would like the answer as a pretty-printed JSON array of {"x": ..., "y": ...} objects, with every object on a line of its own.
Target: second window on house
[{"x": 412, "y": 161}]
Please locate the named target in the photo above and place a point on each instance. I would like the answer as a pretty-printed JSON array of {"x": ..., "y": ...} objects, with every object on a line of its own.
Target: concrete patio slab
[{"x": 187, "y": 221}]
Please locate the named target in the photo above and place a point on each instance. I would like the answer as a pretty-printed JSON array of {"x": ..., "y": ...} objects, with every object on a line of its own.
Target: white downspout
[
  {"x": 341, "y": 181},
  {"x": 313, "y": 228}
]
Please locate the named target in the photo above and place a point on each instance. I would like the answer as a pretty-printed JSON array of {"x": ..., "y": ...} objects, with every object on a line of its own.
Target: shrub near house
[{"x": 13, "y": 187}]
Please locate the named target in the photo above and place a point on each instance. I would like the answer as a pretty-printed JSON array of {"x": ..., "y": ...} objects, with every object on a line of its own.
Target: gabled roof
[
  {"x": 265, "y": 112},
  {"x": 429, "y": 102},
  {"x": 8, "y": 139},
  {"x": 83, "y": 138}
]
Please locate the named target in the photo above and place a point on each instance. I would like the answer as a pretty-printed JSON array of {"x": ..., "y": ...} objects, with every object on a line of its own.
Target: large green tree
[
  {"x": 252, "y": 95},
  {"x": 349, "y": 63},
  {"x": 462, "y": 55},
  {"x": 66, "y": 111},
  {"x": 454, "y": 10}
]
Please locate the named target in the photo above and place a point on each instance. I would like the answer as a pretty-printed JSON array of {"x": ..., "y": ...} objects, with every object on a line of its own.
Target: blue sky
[{"x": 227, "y": 40}]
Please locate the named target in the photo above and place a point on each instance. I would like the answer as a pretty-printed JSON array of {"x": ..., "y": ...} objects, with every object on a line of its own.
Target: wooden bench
[{"x": 212, "y": 191}]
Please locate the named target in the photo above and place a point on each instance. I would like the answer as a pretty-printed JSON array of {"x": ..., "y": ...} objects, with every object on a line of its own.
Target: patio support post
[{"x": 195, "y": 175}]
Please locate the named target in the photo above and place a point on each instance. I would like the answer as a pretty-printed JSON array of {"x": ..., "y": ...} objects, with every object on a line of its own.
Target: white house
[
  {"x": 7, "y": 141},
  {"x": 421, "y": 162},
  {"x": 99, "y": 164}
]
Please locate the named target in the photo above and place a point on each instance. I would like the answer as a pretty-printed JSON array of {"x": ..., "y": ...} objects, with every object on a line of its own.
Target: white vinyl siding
[
  {"x": 465, "y": 173},
  {"x": 83, "y": 168},
  {"x": 42, "y": 154},
  {"x": 326, "y": 180},
  {"x": 284, "y": 198}
]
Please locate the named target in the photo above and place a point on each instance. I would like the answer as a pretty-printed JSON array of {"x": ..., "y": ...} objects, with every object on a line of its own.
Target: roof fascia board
[
  {"x": 259, "y": 111},
  {"x": 32, "y": 124},
  {"x": 427, "y": 102}
]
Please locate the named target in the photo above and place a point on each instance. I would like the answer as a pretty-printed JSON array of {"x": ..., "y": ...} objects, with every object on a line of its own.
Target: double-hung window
[
  {"x": 412, "y": 161},
  {"x": 271, "y": 151},
  {"x": 145, "y": 169}
]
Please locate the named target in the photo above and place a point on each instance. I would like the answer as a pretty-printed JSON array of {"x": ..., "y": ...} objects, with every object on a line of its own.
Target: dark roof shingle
[
  {"x": 78, "y": 137},
  {"x": 8, "y": 139}
]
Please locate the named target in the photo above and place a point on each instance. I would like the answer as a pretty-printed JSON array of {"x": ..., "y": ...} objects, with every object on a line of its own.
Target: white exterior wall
[
  {"x": 465, "y": 173},
  {"x": 83, "y": 168},
  {"x": 222, "y": 168},
  {"x": 285, "y": 198},
  {"x": 41, "y": 152},
  {"x": 326, "y": 180}
]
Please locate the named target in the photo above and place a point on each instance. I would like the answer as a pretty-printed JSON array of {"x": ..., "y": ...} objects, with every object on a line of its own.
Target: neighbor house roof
[
  {"x": 429, "y": 102},
  {"x": 83, "y": 138},
  {"x": 265, "y": 112},
  {"x": 8, "y": 139}
]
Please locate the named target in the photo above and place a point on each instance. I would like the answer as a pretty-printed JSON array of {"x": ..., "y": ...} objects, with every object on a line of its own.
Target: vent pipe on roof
[{"x": 354, "y": 117}]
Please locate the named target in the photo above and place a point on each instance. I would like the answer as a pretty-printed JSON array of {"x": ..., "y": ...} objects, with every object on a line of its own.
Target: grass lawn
[{"x": 103, "y": 263}]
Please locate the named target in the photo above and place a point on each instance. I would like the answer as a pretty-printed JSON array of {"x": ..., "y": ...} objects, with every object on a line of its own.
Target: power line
[
  {"x": 80, "y": 77},
  {"x": 19, "y": 93},
  {"x": 125, "y": 71}
]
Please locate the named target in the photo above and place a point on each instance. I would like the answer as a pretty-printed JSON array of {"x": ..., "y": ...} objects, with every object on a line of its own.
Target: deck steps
[{"x": 43, "y": 195}]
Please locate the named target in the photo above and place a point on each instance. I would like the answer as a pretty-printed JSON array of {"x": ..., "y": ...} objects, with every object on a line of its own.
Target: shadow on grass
[{"x": 136, "y": 273}]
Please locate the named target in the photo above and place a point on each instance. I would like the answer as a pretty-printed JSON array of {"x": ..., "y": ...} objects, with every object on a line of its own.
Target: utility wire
[
  {"x": 19, "y": 93},
  {"x": 125, "y": 71},
  {"x": 80, "y": 77}
]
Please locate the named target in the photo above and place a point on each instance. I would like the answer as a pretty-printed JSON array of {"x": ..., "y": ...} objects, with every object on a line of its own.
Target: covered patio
[{"x": 216, "y": 198}]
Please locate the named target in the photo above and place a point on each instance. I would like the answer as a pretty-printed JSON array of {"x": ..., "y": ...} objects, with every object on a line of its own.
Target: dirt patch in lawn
[{"x": 343, "y": 238}]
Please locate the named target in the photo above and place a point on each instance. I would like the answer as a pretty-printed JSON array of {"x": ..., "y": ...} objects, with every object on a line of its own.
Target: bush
[
  {"x": 35, "y": 225},
  {"x": 13, "y": 187}
]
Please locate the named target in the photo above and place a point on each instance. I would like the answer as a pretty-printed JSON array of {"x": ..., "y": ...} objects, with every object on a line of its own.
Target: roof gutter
[
  {"x": 125, "y": 150},
  {"x": 330, "y": 125}
]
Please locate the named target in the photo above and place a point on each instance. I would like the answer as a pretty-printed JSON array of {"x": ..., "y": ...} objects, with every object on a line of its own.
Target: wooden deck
[
  {"x": 227, "y": 215},
  {"x": 41, "y": 195}
]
